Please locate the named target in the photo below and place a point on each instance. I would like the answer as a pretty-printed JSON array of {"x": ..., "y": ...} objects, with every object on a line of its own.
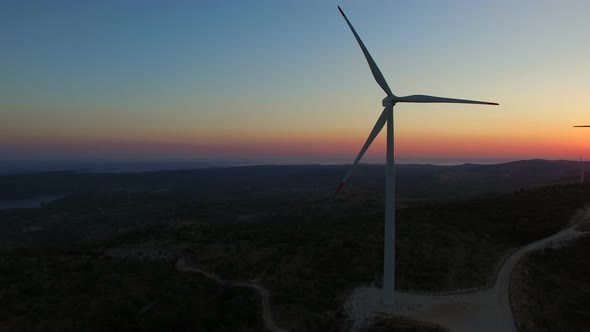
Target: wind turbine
[
  {"x": 387, "y": 117},
  {"x": 581, "y": 170},
  {"x": 581, "y": 162}
]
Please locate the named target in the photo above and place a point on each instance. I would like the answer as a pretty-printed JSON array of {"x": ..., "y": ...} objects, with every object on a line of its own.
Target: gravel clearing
[{"x": 481, "y": 310}]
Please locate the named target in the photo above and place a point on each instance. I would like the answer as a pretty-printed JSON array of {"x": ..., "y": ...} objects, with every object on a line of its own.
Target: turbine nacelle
[{"x": 389, "y": 101}]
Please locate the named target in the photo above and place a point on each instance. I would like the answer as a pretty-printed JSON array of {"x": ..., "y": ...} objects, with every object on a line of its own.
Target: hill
[{"x": 414, "y": 182}]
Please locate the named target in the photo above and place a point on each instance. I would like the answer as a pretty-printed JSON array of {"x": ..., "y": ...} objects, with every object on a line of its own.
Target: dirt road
[
  {"x": 269, "y": 323},
  {"x": 483, "y": 310}
]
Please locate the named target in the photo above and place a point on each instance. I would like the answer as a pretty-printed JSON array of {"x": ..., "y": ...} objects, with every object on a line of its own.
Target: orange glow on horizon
[{"x": 321, "y": 146}]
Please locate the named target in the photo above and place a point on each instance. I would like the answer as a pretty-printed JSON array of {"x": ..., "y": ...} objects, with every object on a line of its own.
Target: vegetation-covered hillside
[
  {"x": 310, "y": 249},
  {"x": 553, "y": 289},
  {"x": 61, "y": 291}
]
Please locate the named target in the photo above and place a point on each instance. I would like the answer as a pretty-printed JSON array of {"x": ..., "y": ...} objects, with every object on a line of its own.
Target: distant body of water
[{"x": 34, "y": 202}]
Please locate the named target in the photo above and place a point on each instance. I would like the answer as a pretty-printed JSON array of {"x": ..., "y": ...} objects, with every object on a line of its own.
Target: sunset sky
[{"x": 285, "y": 81}]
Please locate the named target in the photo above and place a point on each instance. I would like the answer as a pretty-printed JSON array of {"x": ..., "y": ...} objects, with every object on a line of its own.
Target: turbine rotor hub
[{"x": 389, "y": 101}]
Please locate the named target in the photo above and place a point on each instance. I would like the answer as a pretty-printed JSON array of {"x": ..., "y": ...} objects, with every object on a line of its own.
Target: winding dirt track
[
  {"x": 269, "y": 323},
  {"x": 485, "y": 310},
  {"x": 482, "y": 310}
]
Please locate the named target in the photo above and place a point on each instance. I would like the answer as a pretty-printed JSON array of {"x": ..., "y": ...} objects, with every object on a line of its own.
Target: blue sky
[{"x": 200, "y": 77}]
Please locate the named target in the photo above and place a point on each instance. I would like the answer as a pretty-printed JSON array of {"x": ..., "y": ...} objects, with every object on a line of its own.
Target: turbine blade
[
  {"x": 376, "y": 129},
  {"x": 433, "y": 99},
  {"x": 584, "y": 126},
  {"x": 374, "y": 69}
]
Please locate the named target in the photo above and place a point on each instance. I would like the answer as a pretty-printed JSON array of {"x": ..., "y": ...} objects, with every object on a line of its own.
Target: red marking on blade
[{"x": 339, "y": 187}]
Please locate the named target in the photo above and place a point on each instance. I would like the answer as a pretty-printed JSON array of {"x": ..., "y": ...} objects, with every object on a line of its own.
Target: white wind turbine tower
[
  {"x": 581, "y": 170},
  {"x": 387, "y": 117},
  {"x": 582, "y": 162}
]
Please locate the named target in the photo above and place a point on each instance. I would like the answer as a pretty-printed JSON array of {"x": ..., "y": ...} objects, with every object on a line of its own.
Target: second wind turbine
[{"x": 387, "y": 117}]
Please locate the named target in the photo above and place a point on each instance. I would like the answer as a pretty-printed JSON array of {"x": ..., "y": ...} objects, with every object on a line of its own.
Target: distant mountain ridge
[{"x": 414, "y": 181}]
